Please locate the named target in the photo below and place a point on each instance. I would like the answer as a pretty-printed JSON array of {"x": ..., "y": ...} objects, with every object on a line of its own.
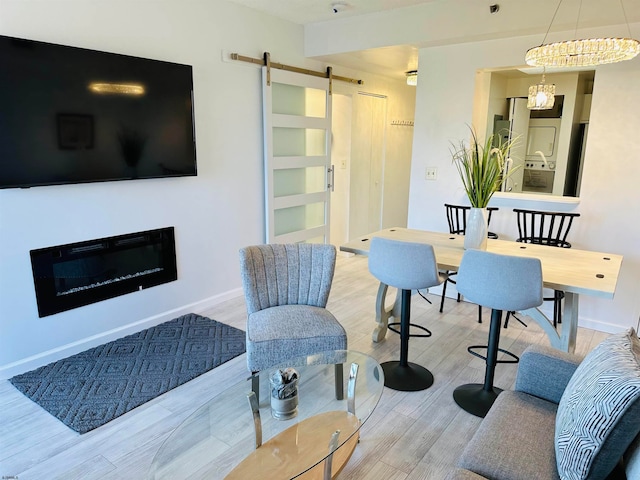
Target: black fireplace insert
[{"x": 73, "y": 275}]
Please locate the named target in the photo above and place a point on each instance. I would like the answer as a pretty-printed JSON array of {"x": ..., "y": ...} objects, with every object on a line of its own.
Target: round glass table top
[{"x": 219, "y": 439}]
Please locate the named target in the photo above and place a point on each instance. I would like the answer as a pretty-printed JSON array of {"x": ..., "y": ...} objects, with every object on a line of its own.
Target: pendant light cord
[
  {"x": 575, "y": 31},
  {"x": 552, "y": 19},
  {"x": 626, "y": 20}
]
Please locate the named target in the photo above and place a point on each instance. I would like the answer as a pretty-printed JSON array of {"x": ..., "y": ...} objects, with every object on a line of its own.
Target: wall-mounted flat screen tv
[{"x": 72, "y": 115}]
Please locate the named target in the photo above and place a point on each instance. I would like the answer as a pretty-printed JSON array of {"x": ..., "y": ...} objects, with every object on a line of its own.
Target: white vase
[{"x": 475, "y": 236}]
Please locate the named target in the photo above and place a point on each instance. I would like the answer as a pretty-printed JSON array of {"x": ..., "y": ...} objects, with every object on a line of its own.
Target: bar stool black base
[
  {"x": 410, "y": 378},
  {"x": 474, "y": 399}
]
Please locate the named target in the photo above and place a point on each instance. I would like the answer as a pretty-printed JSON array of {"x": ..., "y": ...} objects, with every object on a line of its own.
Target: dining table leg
[
  {"x": 383, "y": 314},
  {"x": 569, "y": 322},
  {"x": 564, "y": 340}
]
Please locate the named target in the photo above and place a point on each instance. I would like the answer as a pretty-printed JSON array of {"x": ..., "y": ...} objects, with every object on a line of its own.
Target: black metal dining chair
[
  {"x": 457, "y": 220},
  {"x": 545, "y": 228}
]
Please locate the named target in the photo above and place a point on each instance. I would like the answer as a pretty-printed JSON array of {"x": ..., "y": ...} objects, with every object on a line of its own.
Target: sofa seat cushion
[
  {"x": 462, "y": 474},
  {"x": 515, "y": 440},
  {"x": 599, "y": 412},
  {"x": 309, "y": 330},
  {"x": 632, "y": 459}
]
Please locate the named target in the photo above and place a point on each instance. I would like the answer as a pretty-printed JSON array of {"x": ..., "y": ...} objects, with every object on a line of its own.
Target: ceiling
[
  {"x": 389, "y": 61},
  {"x": 311, "y": 11},
  {"x": 394, "y": 61}
]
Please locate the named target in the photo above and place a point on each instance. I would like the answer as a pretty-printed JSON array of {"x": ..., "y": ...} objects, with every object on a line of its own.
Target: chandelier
[
  {"x": 582, "y": 53},
  {"x": 541, "y": 96}
]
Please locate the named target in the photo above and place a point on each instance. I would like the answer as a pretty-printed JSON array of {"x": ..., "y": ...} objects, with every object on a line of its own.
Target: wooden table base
[{"x": 290, "y": 452}]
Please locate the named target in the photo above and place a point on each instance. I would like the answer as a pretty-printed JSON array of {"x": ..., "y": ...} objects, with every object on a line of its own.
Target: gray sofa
[{"x": 565, "y": 419}]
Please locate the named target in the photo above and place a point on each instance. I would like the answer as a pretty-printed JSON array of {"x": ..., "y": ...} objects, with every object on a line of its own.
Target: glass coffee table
[{"x": 233, "y": 436}]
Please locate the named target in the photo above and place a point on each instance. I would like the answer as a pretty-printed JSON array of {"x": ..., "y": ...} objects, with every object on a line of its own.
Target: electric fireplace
[{"x": 73, "y": 275}]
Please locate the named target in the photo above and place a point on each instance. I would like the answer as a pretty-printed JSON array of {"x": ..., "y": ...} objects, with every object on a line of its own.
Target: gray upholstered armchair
[{"x": 286, "y": 289}]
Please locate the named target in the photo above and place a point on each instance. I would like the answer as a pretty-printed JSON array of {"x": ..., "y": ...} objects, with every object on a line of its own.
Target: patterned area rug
[{"x": 91, "y": 388}]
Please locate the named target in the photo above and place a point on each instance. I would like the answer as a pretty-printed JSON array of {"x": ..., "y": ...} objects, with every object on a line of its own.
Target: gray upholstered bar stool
[
  {"x": 406, "y": 266},
  {"x": 500, "y": 282}
]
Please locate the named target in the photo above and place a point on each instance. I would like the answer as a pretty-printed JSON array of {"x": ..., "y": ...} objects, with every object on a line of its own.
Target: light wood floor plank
[{"x": 410, "y": 436}]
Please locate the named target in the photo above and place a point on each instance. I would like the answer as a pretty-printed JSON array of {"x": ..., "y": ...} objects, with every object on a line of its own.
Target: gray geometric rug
[{"x": 93, "y": 387}]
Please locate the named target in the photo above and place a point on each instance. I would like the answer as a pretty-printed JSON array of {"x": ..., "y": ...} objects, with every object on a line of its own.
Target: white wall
[
  {"x": 609, "y": 194},
  {"x": 229, "y": 154},
  {"x": 397, "y": 170},
  {"x": 214, "y": 214}
]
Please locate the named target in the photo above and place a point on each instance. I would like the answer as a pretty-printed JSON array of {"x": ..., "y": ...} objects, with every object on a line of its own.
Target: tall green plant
[{"x": 482, "y": 167}]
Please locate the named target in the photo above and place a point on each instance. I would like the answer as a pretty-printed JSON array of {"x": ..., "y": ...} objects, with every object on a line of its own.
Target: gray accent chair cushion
[
  {"x": 286, "y": 290},
  {"x": 276, "y": 334},
  {"x": 599, "y": 412}
]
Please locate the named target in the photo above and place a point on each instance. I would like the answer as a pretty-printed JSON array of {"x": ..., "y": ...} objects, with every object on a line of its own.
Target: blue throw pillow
[{"x": 599, "y": 412}]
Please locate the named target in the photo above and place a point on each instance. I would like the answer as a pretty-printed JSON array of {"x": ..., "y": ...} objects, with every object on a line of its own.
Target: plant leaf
[{"x": 483, "y": 167}]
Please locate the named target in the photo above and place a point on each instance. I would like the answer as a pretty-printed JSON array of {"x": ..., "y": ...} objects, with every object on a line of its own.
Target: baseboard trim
[
  {"x": 29, "y": 363},
  {"x": 601, "y": 326}
]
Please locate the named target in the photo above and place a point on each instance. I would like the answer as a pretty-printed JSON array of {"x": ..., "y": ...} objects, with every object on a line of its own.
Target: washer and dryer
[{"x": 540, "y": 159}]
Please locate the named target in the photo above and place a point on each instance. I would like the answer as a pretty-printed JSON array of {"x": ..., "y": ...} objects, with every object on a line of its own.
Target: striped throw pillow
[{"x": 599, "y": 412}]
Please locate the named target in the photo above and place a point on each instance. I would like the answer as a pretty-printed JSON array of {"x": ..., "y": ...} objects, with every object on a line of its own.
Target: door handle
[{"x": 331, "y": 177}]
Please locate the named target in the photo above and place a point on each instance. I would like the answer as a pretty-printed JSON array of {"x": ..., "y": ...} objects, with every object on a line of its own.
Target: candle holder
[{"x": 284, "y": 393}]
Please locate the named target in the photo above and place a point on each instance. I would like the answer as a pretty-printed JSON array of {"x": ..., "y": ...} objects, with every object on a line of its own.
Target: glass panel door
[{"x": 297, "y": 123}]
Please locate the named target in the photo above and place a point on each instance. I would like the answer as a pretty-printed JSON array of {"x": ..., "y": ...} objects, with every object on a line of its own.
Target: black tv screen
[{"x": 71, "y": 115}]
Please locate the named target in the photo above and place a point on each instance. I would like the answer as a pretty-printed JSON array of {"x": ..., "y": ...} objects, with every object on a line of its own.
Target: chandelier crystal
[
  {"x": 582, "y": 53},
  {"x": 541, "y": 96}
]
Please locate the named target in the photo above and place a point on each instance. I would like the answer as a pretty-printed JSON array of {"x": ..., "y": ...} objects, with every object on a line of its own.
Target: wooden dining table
[{"x": 572, "y": 271}]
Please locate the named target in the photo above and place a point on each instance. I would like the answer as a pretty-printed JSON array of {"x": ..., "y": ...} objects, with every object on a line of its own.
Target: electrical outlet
[{"x": 431, "y": 173}]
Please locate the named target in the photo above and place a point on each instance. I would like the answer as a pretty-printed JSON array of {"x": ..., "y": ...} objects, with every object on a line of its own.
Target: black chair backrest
[
  {"x": 457, "y": 218},
  {"x": 544, "y": 228}
]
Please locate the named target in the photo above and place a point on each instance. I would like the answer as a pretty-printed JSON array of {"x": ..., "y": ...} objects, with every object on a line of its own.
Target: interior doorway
[
  {"x": 367, "y": 164},
  {"x": 358, "y": 157}
]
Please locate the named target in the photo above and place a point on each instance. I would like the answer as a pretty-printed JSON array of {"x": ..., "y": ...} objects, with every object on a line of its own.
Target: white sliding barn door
[{"x": 297, "y": 161}]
